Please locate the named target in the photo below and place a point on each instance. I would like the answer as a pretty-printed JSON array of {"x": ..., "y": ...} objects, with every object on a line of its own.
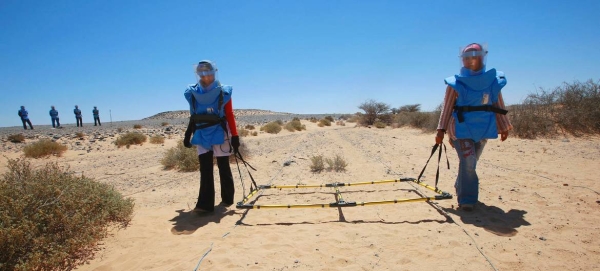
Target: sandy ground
[{"x": 539, "y": 206}]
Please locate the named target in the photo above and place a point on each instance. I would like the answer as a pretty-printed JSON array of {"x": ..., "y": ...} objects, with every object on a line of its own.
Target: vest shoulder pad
[
  {"x": 501, "y": 78},
  {"x": 227, "y": 90}
]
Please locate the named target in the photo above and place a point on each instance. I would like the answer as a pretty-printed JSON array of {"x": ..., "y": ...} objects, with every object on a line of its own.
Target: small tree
[
  {"x": 373, "y": 111},
  {"x": 410, "y": 108}
]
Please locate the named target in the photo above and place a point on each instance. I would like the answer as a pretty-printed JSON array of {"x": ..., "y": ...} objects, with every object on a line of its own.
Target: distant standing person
[
  {"x": 78, "y": 119},
  {"x": 54, "y": 117},
  {"x": 473, "y": 112},
  {"x": 96, "y": 113},
  {"x": 214, "y": 134},
  {"x": 25, "y": 118}
]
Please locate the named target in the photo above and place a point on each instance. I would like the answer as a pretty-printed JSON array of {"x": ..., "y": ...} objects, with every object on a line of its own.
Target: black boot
[
  {"x": 206, "y": 196},
  {"x": 227, "y": 188}
]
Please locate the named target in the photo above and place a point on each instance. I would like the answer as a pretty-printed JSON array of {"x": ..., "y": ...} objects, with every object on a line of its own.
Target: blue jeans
[
  {"x": 55, "y": 122},
  {"x": 467, "y": 182}
]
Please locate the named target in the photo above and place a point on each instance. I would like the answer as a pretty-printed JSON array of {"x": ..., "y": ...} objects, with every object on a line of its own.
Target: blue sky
[{"x": 135, "y": 58}]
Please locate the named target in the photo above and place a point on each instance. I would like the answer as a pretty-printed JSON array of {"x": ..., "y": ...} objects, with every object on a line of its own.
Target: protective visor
[
  {"x": 473, "y": 53},
  {"x": 205, "y": 73}
]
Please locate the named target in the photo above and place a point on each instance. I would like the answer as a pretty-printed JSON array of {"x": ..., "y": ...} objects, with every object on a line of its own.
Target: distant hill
[{"x": 180, "y": 114}]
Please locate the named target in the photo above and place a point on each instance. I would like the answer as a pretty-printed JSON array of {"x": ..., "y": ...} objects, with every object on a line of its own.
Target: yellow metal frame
[{"x": 441, "y": 195}]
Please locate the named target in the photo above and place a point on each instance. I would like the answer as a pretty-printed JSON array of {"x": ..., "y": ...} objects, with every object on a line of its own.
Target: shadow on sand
[
  {"x": 187, "y": 222},
  {"x": 493, "y": 219}
]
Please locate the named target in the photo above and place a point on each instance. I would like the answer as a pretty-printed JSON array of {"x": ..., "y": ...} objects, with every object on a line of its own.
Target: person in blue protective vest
[
  {"x": 96, "y": 114},
  {"x": 473, "y": 112},
  {"x": 54, "y": 116},
  {"x": 212, "y": 130},
  {"x": 78, "y": 119},
  {"x": 25, "y": 118}
]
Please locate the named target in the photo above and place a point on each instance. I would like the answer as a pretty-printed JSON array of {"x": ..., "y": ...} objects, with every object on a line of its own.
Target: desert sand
[{"x": 538, "y": 211}]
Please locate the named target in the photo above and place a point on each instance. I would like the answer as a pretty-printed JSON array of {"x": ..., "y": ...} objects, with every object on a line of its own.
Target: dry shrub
[
  {"x": 318, "y": 163},
  {"x": 313, "y": 120},
  {"x": 426, "y": 121},
  {"x": 340, "y": 123},
  {"x": 324, "y": 122},
  {"x": 137, "y": 126},
  {"x": 255, "y": 133},
  {"x": 17, "y": 138},
  {"x": 329, "y": 118},
  {"x": 338, "y": 163},
  {"x": 130, "y": 138},
  {"x": 243, "y": 132},
  {"x": 379, "y": 124},
  {"x": 53, "y": 220},
  {"x": 181, "y": 158},
  {"x": 119, "y": 129},
  {"x": 249, "y": 127},
  {"x": 80, "y": 134},
  {"x": 157, "y": 139},
  {"x": 295, "y": 125},
  {"x": 354, "y": 118},
  {"x": 43, "y": 148},
  {"x": 571, "y": 108},
  {"x": 164, "y": 123},
  {"x": 272, "y": 127}
]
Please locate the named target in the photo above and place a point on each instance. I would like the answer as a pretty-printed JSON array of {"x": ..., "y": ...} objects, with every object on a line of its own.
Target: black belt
[{"x": 489, "y": 108}]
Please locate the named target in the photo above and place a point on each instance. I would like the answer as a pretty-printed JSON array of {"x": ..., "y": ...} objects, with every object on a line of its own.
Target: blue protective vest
[
  {"x": 54, "y": 114},
  {"x": 476, "y": 90},
  {"x": 77, "y": 112},
  {"x": 208, "y": 101},
  {"x": 96, "y": 113},
  {"x": 24, "y": 114}
]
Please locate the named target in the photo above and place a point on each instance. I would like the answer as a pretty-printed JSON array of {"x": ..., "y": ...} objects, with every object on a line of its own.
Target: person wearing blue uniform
[
  {"x": 473, "y": 112},
  {"x": 96, "y": 114},
  {"x": 54, "y": 116},
  {"x": 78, "y": 118},
  {"x": 25, "y": 118},
  {"x": 212, "y": 130}
]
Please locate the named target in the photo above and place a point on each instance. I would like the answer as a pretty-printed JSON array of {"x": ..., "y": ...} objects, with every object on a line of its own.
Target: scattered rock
[{"x": 542, "y": 238}]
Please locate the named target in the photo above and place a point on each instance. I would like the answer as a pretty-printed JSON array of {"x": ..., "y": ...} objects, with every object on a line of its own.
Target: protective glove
[
  {"x": 188, "y": 135},
  {"x": 235, "y": 144}
]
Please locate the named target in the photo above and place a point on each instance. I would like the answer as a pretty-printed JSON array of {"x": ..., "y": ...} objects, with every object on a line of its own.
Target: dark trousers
[
  {"x": 79, "y": 121},
  {"x": 97, "y": 121},
  {"x": 55, "y": 123},
  {"x": 206, "y": 196},
  {"x": 26, "y": 121}
]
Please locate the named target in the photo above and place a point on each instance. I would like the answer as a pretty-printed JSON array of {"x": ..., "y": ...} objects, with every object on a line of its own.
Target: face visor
[
  {"x": 205, "y": 68},
  {"x": 473, "y": 51}
]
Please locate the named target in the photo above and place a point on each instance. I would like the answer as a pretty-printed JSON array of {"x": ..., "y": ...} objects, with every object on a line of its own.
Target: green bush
[
  {"x": 295, "y": 125},
  {"x": 43, "y": 148},
  {"x": 130, "y": 138},
  {"x": 271, "y": 127},
  {"x": 53, "y": 220},
  {"x": 317, "y": 163},
  {"x": 181, "y": 158},
  {"x": 17, "y": 138},
  {"x": 157, "y": 139}
]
